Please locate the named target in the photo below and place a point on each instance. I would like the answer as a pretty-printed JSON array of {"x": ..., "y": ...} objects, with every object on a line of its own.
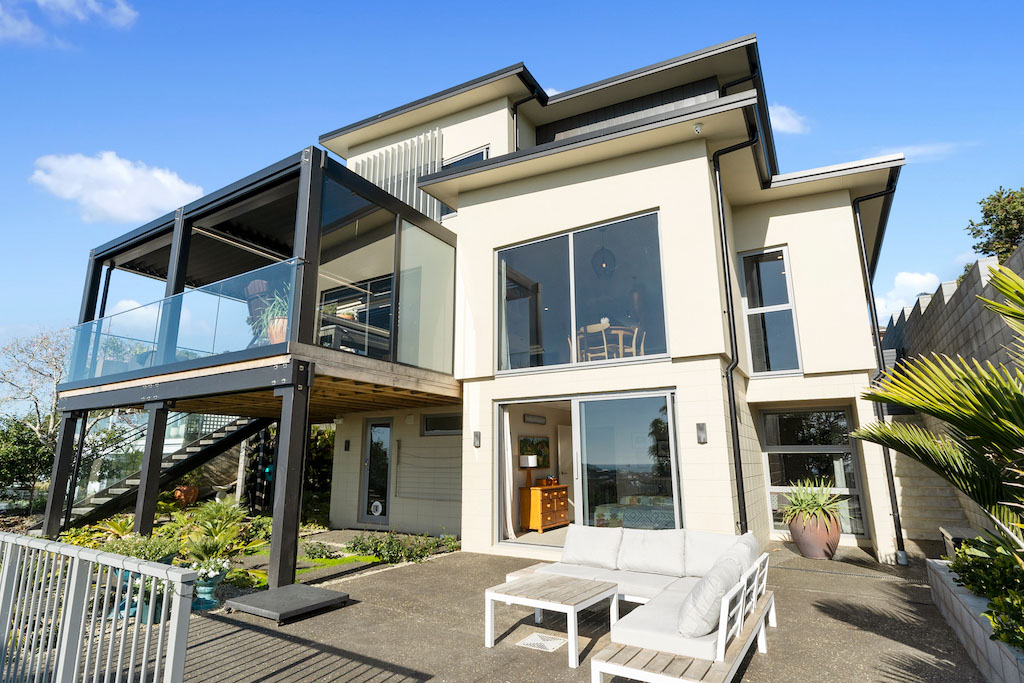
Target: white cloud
[
  {"x": 552, "y": 91},
  {"x": 109, "y": 188},
  {"x": 923, "y": 153},
  {"x": 786, "y": 120},
  {"x": 115, "y": 12},
  {"x": 17, "y": 26},
  {"x": 905, "y": 288}
]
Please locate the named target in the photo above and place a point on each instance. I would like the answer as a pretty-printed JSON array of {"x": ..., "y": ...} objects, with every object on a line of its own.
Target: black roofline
[
  {"x": 883, "y": 217},
  {"x": 729, "y": 102},
  {"x": 518, "y": 69},
  {"x": 653, "y": 68},
  {"x": 166, "y": 223}
]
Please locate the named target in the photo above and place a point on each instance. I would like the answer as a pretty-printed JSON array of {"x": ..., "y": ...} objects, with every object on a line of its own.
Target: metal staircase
[{"x": 172, "y": 466}]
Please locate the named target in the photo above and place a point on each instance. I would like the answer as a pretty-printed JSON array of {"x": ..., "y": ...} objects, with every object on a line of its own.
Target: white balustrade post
[
  {"x": 181, "y": 608},
  {"x": 73, "y": 622},
  {"x": 9, "y": 574}
]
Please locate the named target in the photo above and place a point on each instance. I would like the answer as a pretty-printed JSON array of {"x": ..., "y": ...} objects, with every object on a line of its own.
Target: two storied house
[{"x": 604, "y": 306}]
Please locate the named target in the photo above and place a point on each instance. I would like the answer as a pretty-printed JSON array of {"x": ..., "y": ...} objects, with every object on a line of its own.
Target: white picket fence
[{"x": 74, "y": 614}]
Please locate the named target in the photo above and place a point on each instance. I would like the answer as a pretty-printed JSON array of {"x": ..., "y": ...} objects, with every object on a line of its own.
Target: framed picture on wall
[{"x": 539, "y": 446}]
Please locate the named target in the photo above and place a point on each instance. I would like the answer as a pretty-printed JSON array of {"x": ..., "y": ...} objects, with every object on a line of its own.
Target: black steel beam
[
  {"x": 149, "y": 476},
  {"x": 292, "y": 438},
  {"x": 93, "y": 270},
  {"x": 231, "y": 382},
  {"x": 307, "y": 246},
  {"x": 63, "y": 461},
  {"x": 177, "y": 268}
]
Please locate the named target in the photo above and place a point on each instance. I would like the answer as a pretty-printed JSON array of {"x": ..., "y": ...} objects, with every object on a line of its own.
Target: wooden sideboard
[{"x": 543, "y": 507}]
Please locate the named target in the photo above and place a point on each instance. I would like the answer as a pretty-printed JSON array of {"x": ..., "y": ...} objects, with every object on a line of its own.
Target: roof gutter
[
  {"x": 535, "y": 94},
  {"x": 730, "y": 310},
  {"x": 869, "y": 294}
]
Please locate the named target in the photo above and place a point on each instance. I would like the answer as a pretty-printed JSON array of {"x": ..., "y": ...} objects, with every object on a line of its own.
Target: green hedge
[{"x": 988, "y": 570}]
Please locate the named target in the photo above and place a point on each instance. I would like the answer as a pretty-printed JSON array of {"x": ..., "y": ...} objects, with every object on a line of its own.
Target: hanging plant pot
[
  {"x": 277, "y": 330},
  {"x": 816, "y": 536}
]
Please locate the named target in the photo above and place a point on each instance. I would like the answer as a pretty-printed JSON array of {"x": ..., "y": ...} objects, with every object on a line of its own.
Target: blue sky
[{"x": 114, "y": 111}]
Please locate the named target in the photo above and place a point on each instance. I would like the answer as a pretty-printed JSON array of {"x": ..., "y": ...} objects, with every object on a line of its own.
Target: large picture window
[
  {"x": 813, "y": 445},
  {"x": 592, "y": 295},
  {"x": 769, "y": 303}
]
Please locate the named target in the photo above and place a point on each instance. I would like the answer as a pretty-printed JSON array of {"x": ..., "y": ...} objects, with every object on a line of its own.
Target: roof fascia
[
  {"x": 518, "y": 70},
  {"x": 722, "y": 104}
]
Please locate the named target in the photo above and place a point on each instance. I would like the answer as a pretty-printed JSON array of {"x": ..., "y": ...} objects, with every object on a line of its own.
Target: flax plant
[{"x": 981, "y": 450}]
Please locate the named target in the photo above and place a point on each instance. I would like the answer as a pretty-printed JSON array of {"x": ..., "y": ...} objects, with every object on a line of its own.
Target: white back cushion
[
  {"x": 653, "y": 552},
  {"x": 703, "y": 548},
  {"x": 592, "y": 546},
  {"x": 753, "y": 548},
  {"x": 701, "y": 610}
]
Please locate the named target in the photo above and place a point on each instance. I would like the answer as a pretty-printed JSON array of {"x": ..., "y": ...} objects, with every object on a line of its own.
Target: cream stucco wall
[
  {"x": 419, "y": 502},
  {"x": 488, "y": 124},
  {"x": 672, "y": 181},
  {"x": 824, "y": 267}
]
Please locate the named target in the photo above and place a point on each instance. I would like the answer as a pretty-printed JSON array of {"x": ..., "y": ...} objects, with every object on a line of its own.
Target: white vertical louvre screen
[
  {"x": 397, "y": 168},
  {"x": 75, "y": 614}
]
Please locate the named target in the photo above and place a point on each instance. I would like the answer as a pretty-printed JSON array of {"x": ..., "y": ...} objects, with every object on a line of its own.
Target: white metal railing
[{"x": 69, "y": 613}]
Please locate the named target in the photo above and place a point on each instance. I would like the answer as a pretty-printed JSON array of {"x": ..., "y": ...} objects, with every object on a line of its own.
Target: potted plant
[
  {"x": 812, "y": 513},
  {"x": 272, "y": 321},
  {"x": 211, "y": 572}
]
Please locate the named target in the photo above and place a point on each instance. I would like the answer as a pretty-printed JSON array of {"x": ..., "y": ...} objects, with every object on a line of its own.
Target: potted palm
[
  {"x": 272, "y": 321},
  {"x": 812, "y": 513}
]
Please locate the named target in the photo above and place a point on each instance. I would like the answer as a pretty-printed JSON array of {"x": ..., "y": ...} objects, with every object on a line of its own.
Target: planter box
[{"x": 997, "y": 661}]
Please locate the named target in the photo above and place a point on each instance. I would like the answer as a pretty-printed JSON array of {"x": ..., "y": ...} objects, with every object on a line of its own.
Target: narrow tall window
[
  {"x": 813, "y": 445},
  {"x": 769, "y": 304}
]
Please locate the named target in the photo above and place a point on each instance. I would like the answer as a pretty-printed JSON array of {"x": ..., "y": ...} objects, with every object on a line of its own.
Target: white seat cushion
[
  {"x": 592, "y": 546},
  {"x": 701, "y": 610},
  {"x": 652, "y": 626},
  {"x": 637, "y": 584},
  {"x": 574, "y": 570},
  {"x": 703, "y": 549},
  {"x": 652, "y": 552},
  {"x": 683, "y": 585}
]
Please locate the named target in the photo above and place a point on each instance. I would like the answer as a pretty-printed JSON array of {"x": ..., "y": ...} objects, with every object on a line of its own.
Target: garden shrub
[
  {"x": 259, "y": 528},
  {"x": 151, "y": 548},
  {"x": 318, "y": 551},
  {"x": 989, "y": 570},
  {"x": 392, "y": 548}
]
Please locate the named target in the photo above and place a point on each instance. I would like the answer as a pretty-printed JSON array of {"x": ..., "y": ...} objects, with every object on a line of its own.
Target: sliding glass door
[{"x": 626, "y": 474}]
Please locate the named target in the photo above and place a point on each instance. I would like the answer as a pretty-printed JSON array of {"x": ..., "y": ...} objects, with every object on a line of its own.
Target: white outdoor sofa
[{"x": 678, "y": 633}]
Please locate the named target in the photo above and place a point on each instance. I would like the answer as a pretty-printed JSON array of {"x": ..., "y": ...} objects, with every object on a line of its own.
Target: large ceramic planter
[
  {"x": 277, "y": 330},
  {"x": 814, "y": 539},
  {"x": 205, "y": 589}
]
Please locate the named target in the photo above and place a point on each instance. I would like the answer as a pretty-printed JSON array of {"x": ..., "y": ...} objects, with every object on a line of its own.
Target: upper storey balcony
[{"x": 304, "y": 258}]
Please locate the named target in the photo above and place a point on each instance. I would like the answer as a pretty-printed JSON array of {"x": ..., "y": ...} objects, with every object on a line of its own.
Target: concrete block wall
[{"x": 952, "y": 321}]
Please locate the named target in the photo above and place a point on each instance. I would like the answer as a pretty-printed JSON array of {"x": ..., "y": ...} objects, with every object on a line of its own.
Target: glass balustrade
[{"x": 243, "y": 312}]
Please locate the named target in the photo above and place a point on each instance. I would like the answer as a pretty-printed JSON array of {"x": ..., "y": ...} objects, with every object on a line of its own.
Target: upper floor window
[
  {"x": 591, "y": 295},
  {"x": 771, "y": 326},
  {"x": 461, "y": 160}
]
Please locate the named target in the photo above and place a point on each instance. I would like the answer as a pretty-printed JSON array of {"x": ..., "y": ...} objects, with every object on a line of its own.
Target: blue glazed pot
[{"x": 205, "y": 589}]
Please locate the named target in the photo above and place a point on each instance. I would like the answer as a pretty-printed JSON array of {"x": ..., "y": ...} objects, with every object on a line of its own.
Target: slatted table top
[{"x": 559, "y": 590}]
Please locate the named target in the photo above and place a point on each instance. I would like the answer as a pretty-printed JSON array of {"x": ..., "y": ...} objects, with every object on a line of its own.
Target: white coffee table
[{"x": 551, "y": 592}]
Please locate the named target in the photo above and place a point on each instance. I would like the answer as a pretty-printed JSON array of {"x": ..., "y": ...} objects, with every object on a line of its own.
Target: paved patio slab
[{"x": 838, "y": 621}]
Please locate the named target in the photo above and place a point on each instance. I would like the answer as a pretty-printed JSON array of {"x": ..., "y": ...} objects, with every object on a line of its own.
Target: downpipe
[
  {"x": 869, "y": 294},
  {"x": 515, "y": 117},
  {"x": 730, "y": 311}
]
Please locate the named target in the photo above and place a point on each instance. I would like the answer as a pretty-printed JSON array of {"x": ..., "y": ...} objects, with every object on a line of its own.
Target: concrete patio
[{"x": 840, "y": 621}]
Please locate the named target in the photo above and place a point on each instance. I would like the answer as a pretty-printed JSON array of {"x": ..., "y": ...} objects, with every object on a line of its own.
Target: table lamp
[{"x": 528, "y": 462}]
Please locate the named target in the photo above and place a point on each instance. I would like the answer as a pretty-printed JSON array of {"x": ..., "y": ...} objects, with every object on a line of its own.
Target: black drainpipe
[
  {"x": 515, "y": 115},
  {"x": 730, "y": 380},
  {"x": 869, "y": 293}
]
